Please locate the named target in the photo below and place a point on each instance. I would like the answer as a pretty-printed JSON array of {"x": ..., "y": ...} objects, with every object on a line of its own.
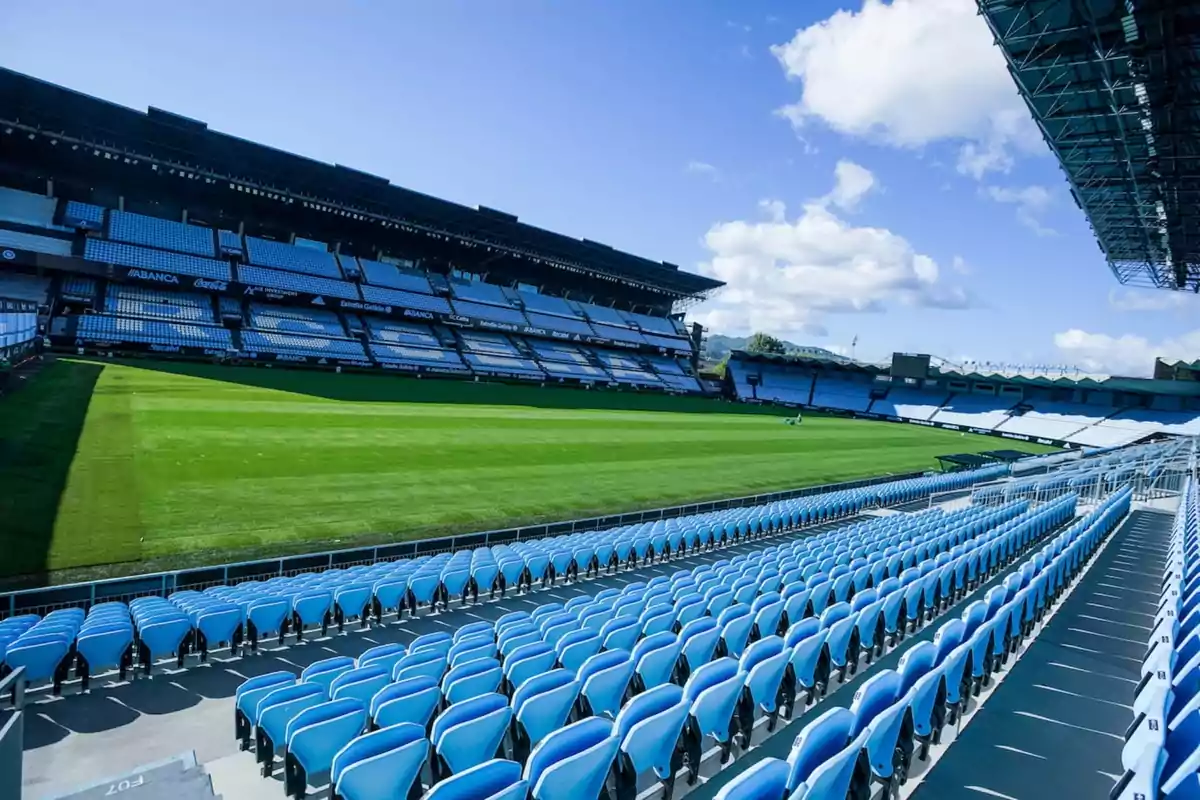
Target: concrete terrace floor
[{"x": 78, "y": 739}]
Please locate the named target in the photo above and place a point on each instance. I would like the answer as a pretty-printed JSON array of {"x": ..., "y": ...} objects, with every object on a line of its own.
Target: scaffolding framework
[{"x": 1114, "y": 86}]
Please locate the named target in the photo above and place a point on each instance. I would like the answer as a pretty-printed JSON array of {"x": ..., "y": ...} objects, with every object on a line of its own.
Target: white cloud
[
  {"x": 1031, "y": 202},
  {"x": 786, "y": 277},
  {"x": 852, "y": 183},
  {"x": 960, "y": 265},
  {"x": 908, "y": 73},
  {"x": 702, "y": 168},
  {"x": 1129, "y": 354},
  {"x": 1156, "y": 300}
]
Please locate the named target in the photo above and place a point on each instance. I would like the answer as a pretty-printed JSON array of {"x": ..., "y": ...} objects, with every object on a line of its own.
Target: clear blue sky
[{"x": 656, "y": 128}]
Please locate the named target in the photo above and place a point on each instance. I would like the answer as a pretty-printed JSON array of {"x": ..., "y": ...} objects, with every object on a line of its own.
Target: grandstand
[
  {"x": 1098, "y": 411},
  {"x": 827, "y": 642},
  {"x": 256, "y": 260}
]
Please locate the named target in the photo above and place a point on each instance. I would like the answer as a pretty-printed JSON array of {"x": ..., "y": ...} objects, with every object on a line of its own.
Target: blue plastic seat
[
  {"x": 573, "y": 762},
  {"x": 322, "y": 673},
  {"x": 834, "y": 777},
  {"x": 818, "y": 742},
  {"x": 245, "y": 702},
  {"x": 540, "y": 705},
  {"x": 713, "y": 691},
  {"x": 764, "y": 664},
  {"x": 430, "y": 663},
  {"x": 766, "y": 780},
  {"x": 360, "y": 683},
  {"x": 649, "y": 728},
  {"x": 497, "y": 779},
  {"x": 468, "y": 733},
  {"x": 604, "y": 679},
  {"x": 381, "y": 765},
  {"x": 274, "y": 711},
  {"x": 471, "y": 680},
  {"x": 654, "y": 660},
  {"x": 412, "y": 700},
  {"x": 577, "y": 647},
  {"x": 528, "y": 660},
  {"x": 314, "y": 737}
]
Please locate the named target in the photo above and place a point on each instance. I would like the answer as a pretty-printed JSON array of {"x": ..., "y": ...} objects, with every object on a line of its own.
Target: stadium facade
[{"x": 148, "y": 232}]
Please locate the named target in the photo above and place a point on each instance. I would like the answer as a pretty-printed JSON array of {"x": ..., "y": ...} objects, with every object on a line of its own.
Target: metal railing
[
  {"x": 12, "y": 734},
  {"x": 86, "y": 594}
]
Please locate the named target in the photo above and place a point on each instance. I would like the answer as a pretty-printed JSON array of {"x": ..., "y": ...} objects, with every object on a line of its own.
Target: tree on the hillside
[{"x": 764, "y": 343}]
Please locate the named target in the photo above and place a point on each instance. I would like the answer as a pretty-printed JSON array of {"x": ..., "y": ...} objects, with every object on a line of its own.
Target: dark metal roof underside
[{"x": 1115, "y": 87}]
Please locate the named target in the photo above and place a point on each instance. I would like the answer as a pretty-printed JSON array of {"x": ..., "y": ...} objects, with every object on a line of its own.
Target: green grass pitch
[{"x": 155, "y": 465}]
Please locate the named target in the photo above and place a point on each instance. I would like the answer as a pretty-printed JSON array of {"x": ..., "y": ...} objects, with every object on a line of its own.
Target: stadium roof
[
  {"x": 1115, "y": 88},
  {"x": 157, "y": 138}
]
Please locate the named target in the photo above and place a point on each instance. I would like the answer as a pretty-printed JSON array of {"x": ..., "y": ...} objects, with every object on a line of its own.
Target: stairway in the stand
[{"x": 180, "y": 778}]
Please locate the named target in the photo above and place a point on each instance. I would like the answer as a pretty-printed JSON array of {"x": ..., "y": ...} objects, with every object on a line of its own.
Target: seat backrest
[
  {"x": 464, "y": 712},
  {"x": 766, "y": 780},
  {"x": 493, "y": 780},
  {"x": 875, "y": 694},
  {"x": 916, "y": 662},
  {"x": 817, "y": 742},
  {"x": 572, "y": 762}
]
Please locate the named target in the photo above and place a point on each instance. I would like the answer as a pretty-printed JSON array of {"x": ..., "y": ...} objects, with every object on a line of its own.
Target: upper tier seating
[
  {"x": 478, "y": 292},
  {"x": 417, "y": 356},
  {"x": 32, "y": 241},
  {"x": 634, "y": 377},
  {"x": 267, "y": 253},
  {"x": 831, "y": 392},
  {"x": 558, "y": 351},
  {"x": 563, "y": 324},
  {"x": 547, "y": 304},
  {"x": 405, "y": 333},
  {"x": 612, "y": 358},
  {"x": 106, "y": 328},
  {"x": 296, "y": 320},
  {"x": 649, "y": 324},
  {"x": 230, "y": 243},
  {"x": 137, "y": 301},
  {"x": 297, "y": 282},
  {"x": 667, "y": 343},
  {"x": 489, "y": 364},
  {"x": 26, "y": 208},
  {"x": 492, "y": 313},
  {"x": 128, "y": 255},
  {"x": 391, "y": 276},
  {"x": 1053, "y": 420},
  {"x": 83, "y": 215},
  {"x": 166, "y": 234},
  {"x": 488, "y": 344},
  {"x": 681, "y": 383},
  {"x": 618, "y": 334},
  {"x": 582, "y": 371},
  {"x": 414, "y": 300},
  {"x": 666, "y": 366},
  {"x": 603, "y": 314},
  {"x": 78, "y": 287},
  {"x": 318, "y": 346},
  {"x": 975, "y": 410},
  {"x": 908, "y": 403}
]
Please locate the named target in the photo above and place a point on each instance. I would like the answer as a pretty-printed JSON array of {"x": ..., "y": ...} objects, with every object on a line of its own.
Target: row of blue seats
[
  {"x": 1161, "y": 755},
  {"x": 250, "y": 610},
  {"x": 559, "y": 662},
  {"x": 899, "y": 713}
]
